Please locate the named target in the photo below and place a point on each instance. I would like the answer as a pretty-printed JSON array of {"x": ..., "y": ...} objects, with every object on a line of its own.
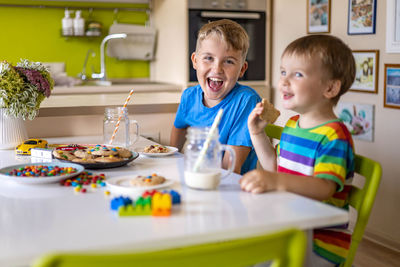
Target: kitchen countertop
[
  {"x": 117, "y": 88},
  {"x": 148, "y": 97}
]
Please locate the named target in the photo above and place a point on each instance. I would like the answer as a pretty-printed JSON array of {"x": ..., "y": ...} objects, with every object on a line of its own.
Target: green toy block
[{"x": 138, "y": 210}]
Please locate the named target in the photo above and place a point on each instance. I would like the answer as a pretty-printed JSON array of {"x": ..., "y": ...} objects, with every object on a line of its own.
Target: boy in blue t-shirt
[{"x": 219, "y": 61}]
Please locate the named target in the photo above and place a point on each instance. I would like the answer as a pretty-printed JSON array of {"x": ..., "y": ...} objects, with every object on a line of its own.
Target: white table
[{"x": 36, "y": 219}]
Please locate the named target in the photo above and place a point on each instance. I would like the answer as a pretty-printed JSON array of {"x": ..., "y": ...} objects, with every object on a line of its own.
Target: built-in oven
[{"x": 251, "y": 14}]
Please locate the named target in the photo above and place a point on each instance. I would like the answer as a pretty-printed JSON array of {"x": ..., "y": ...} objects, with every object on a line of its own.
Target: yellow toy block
[{"x": 161, "y": 204}]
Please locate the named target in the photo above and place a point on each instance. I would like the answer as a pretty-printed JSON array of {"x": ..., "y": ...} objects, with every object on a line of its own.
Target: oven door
[{"x": 252, "y": 22}]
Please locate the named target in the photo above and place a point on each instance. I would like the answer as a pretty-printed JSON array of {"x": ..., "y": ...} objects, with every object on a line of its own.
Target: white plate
[
  {"x": 171, "y": 150},
  {"x": 122, "y": 185},
  {"x": 39, "y": 180}
]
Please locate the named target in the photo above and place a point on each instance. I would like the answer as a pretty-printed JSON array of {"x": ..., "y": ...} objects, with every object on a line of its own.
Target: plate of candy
[{"x": 40, "y": 173}]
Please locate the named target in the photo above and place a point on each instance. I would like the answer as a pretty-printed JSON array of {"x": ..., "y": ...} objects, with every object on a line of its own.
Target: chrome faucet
[
  {"x": 82, "y": 75},
  {"x": 102, "y": 75}
]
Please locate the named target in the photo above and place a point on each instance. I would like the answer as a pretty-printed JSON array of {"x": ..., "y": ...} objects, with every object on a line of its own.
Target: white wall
[{"x": 289, "y": 23}]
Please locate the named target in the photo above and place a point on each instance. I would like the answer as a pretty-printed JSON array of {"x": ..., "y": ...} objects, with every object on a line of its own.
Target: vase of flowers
[{"x": 22, "y": 88}]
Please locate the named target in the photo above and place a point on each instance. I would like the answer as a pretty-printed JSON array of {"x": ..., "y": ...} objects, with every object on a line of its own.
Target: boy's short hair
[
  {"x": 229, "y": 31},
  {"x": 336, "y": 58}
]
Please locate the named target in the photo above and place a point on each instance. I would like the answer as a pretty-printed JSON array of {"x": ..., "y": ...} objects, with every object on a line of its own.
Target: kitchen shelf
[{"x": 134, "y": 6}]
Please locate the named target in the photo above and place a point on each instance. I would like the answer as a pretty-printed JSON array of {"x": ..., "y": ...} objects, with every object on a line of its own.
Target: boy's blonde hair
[
  {"x": 229, "y": 31},
  {"x": 336, "y": 58}
]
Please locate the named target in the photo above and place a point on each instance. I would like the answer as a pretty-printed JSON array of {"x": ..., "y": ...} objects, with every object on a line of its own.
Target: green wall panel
[{"x": 35, "y": 33}]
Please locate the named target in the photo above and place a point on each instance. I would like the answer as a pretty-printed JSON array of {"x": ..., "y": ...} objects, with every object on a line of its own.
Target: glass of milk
[{"x": 206, "y": 173}]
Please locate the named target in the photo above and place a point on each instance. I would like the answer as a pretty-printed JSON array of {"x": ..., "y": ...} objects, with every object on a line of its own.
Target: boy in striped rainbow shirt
[{"x": 315, "y": 156}]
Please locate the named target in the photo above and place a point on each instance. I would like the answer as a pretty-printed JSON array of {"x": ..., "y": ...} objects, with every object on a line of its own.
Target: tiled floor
[{"x": 370, "y": 254}]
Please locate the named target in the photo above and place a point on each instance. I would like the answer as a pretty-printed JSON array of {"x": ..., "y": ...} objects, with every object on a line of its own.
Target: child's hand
[
  {"x": 258, "y": 181},
  {"x": 254, "y": 122}
]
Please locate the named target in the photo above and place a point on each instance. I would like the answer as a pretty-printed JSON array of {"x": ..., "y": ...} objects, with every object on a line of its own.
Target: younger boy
[
  {"x": 315, "y": 155},
  {"x": 220, "y": 60}
]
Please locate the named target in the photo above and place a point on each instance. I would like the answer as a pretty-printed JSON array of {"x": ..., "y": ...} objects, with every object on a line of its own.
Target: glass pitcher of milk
[{"x": 203, "y": 164}]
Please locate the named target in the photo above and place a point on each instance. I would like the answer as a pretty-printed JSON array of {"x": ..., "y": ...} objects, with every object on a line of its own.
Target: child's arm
[
  {"x": 241, "y": 154},
  {"x": 262, "y": 145},
  {"x": 178, "y": 137},
  {"x": 258, "y": 181}
]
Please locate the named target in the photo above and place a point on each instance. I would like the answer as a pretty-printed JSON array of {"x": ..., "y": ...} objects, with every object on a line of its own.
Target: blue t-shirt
[{"x": 233, "y": 129}]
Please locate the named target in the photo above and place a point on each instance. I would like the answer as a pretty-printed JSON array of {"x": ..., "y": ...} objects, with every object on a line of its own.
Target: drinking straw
[
  {"x": 120, "y": 117},
  {"x": 210, "y": 134}
]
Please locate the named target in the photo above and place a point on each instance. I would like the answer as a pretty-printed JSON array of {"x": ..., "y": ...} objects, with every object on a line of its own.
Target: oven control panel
[{"x": 254, "y": 5}]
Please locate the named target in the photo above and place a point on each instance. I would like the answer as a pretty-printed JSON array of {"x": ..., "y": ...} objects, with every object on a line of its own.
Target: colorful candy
[
  {"x": 41, "y": 171},
  {"x": 85, "y": 178}
]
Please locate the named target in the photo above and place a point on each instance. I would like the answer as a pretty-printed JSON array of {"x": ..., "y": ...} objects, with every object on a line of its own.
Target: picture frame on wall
[
  {"x": 367, "y": 68},
  {"x": 393, "y": 26},
  {"x": 318, "y": 16},
  {"x": 361, "y": 17},
  {"x": 358, "y": 118},
  {"x": 392, "y": 86}
]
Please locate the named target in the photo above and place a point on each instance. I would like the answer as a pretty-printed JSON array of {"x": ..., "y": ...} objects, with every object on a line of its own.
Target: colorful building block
[
  {"x": 161, "y": 204},
  {"x": 120, "y": 201}
]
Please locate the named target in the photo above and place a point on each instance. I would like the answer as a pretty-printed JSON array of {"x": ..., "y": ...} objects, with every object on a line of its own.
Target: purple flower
[{"x": 35, "y": 78}]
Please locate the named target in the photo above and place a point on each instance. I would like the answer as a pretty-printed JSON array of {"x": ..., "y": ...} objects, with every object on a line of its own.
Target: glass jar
[
  {"x": 118, "y": 129},
  {"x": 203, "y": 158}
]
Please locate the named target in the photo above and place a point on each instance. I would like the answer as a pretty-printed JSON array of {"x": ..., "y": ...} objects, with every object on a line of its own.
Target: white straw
[{"x": 210, "y": 134}]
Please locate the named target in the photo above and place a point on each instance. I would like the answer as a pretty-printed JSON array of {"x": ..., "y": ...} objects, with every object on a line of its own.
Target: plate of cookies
[
  {"x": 137, "y": 183},
  {"x": 158, "y": 150},
  {"x": 95, "y": 156}
]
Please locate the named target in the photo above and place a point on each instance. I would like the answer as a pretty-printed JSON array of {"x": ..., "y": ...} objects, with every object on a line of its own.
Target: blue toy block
[
  {"x": 176, "y": 197},
  {"x": 120, "y": 201}
]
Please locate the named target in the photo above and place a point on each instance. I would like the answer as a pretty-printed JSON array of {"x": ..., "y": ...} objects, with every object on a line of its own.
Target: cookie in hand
[{"x": 270, "y": 113}]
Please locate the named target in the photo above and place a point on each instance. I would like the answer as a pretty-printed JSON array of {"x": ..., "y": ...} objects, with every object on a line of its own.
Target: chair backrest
[
  {"x": 361, "y": 200},
  {"x": 286, "y": 248}
]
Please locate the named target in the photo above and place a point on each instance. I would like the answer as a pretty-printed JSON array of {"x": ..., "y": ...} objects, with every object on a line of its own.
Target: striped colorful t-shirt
[{"x": 327, "y": 152}]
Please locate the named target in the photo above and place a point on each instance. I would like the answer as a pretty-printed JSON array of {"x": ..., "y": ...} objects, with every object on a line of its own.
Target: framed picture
[
  {"x": 362, "y": 17},
  {"x": 393, "y": 26},
  {"x": 392, "y": 86},
  {"x": 367, "y": 67},
  {"x": 358, "y": 118},
  {"x": 318, "y": 16}
]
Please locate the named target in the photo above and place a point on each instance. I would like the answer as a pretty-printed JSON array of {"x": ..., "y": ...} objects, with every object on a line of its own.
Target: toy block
[
  {"x": 143, "y": 201},
  {"x": 161, "y": 204},
  {"x": 117, "y": 202},
  {"x": 131, "y": 210},
  {"x": 176, "y": 197},
  {"x": 149, "y": 193}
]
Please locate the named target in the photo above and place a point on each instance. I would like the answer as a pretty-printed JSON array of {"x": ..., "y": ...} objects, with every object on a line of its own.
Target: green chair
[
  {"x": 286, "y": 248},
  {"x": 361, "y": 200}
]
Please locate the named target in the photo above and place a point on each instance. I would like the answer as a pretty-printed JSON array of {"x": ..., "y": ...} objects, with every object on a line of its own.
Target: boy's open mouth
[
  {"x": 287, "y": 95},
  {"x": 215, "y": 84}
]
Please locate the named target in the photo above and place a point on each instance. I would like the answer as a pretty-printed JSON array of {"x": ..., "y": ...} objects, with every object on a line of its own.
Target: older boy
[
  {"x": 220, "y": 60},
  {"x": 315, "y": 156}
]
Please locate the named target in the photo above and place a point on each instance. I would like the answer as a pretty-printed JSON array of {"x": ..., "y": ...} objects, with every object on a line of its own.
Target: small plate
[
  {"x": 40, "y": 180},
  {"x": 121, "y": 185},
  {"x": 105, "y": 165},
  {"x": 171, "y": 150}
]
